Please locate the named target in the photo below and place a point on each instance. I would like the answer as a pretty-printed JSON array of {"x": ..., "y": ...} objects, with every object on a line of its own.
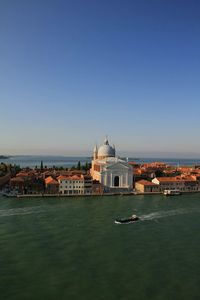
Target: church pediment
[{"x": 118, "y": 166}]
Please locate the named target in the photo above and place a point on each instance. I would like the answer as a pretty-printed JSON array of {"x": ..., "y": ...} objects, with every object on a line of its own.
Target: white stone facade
[
  {"x": 113, "y": 172},
  {"x": 71, "y": 186}
]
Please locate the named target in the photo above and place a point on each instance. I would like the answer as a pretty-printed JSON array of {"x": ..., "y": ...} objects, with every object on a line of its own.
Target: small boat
[
  {"x": 130, "y": 220},
  {"x": 10, "y": 194},
  {"x": 171, "y": 192}
]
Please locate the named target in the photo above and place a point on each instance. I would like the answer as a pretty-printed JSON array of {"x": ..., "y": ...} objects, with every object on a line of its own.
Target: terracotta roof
[
  {"x": 73, "y": 177},
  {"x": 176, "y": 179},
  {"x": 189, "y": 178},
  {"x": 155, "y": 165},
  {"x": 137, "y": 172},
  {"x": 23, "y": 174},
  {"x": 61, "y": 177},
  {"x": 146, "y": 182},
  {"x": 50, "y": 180},
  {"x": 17, "y": 179}
]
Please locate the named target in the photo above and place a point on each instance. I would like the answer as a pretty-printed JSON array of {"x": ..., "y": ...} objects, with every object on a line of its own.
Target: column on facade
[
  {"x": 111, "y": 178},
  {"x": 127, "y": 180},
  {"x": 121, "y": 181},
  {"x": 106, "y": 179}
]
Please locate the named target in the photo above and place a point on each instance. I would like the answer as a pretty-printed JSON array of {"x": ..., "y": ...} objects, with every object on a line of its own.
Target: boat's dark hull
[
  {"x": 126, "y": 221},
  {"x": 177, "y": 194}
]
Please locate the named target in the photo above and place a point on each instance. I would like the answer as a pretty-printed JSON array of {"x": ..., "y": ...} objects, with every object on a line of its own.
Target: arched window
[{"x": 116, "y": 181}]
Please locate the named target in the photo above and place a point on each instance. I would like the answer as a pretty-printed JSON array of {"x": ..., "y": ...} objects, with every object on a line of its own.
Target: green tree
[
  {"x": 158, "y": 173},
  {"x": 79, "y": 166},
  {"x": 41, "y": 165}
]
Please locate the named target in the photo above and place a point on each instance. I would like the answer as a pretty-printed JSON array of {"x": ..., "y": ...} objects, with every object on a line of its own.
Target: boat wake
[
  {"x": 169, "y": 213},
  {"x": 21, "y": 211}
]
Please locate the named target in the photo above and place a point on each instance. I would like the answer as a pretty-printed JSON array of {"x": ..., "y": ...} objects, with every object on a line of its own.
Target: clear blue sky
[{"x": 73, "y": 71}]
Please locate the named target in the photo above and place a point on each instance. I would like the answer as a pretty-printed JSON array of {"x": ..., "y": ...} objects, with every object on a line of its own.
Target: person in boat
[{"x": 133, "y": 216}]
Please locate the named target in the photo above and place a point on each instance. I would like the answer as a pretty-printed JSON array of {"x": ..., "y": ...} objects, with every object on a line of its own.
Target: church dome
[{"x": 106, "y": 150}]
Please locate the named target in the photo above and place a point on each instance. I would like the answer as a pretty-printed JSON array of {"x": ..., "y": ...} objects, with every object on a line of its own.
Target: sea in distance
[
  {"x": 68, "y": 161},
  {"x": 70, "y": 248}
]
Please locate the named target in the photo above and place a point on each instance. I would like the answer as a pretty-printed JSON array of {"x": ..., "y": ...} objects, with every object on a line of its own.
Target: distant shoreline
[
  {"x": 31, "y": 161},
  {"x": 4, "y": 157}
]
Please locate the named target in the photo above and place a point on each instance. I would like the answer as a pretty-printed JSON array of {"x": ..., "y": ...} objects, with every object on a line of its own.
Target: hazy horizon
[{"x": 130, "y": 154}]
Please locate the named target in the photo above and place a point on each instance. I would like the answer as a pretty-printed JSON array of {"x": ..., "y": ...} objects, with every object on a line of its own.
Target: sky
[{"x": 73, "y": 71}]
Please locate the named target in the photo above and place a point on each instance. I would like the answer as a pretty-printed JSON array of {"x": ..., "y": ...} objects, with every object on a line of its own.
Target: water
[
  {"x": 68, "y": 161},
  {"x": 49, "y": 161},
  {"x": 70, "y": 248}
]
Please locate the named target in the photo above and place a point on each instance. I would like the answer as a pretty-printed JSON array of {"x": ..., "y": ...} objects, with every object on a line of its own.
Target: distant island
[{"x": 4, "y": 157}]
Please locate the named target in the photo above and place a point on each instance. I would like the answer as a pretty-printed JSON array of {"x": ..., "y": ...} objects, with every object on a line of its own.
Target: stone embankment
[
  {"x": 68, "y": 196},
  {"x": 94, "y": 195}
]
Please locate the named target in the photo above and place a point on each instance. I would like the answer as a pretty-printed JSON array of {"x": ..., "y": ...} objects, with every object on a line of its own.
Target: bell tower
[{"x": 95, "y": 153}]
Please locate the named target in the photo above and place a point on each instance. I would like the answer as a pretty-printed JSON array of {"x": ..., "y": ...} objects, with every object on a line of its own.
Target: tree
[
  {"x": 79, "y": 165},
  {"x": 41, "y": 166},
  {"x": 158, "y": 173},
  {"x": 87, "y": 166}
]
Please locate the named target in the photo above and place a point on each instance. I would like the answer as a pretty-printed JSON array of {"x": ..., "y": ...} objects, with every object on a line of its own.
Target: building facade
[
  {"x": 145, "y": 186},
  {"x": 51, "y": 185},
  {"x": 71, "y": 185},
  {"x": 184, "y": 184},
  {"x": 87, "y": 184},
  {"x": 115, "y": 174}
]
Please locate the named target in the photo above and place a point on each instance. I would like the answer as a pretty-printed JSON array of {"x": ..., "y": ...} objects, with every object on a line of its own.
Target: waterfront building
[
  {"x": 115, "y": 174},
  {"x": 185, "y": 184},
  {"x": 97, "y": 188},
  {"x": 145, "y": 186},
  {"x": 75, "y": 184},
  {"x": 27, "y": 182},
  {"x": 87, "y": 184},
  {"x": 17, "y": 184},
  {"x": 71, "y": 185},
  {"x": 51, "y": 185}
]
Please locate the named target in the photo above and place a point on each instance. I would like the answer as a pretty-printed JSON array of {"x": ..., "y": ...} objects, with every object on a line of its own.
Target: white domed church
[{"x": 115, "y": 174}]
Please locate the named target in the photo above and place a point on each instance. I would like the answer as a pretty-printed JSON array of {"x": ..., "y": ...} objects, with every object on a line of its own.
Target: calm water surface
[
  {"x": 71, "y": 248},
  {"x": 68, "y": 161}
]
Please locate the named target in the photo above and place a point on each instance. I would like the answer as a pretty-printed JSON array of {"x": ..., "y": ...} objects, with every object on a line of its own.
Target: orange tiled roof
[
  {"x": 50, "y": 180},
  {"x": 146, "y": 182},
  {"x": 137, "y": 172},
  {"x": 23, "y": 174},
  {"x": 72, "y": 177},
  {"x": 17, "y": 179},
  {"x": 176, "y": 179}
]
